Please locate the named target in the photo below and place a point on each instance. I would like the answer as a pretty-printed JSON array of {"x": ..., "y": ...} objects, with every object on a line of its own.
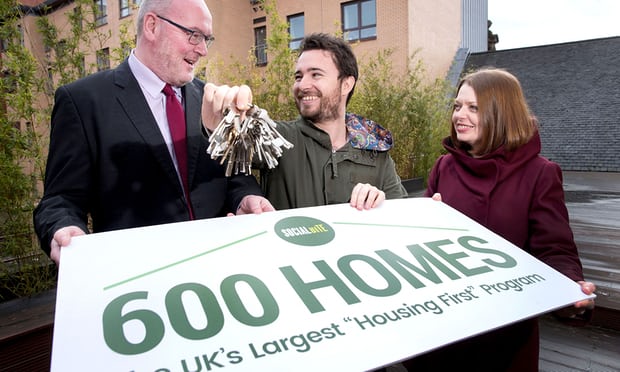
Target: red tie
[{"x": 176, "y": 123}]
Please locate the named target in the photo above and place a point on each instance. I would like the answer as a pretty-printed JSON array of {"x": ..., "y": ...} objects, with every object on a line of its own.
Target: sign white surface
[{"x": 323, "y": 288}]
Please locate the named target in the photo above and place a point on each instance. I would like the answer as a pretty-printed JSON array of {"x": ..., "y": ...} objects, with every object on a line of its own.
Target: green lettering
[
  {"x": 427, "y": 264},
  {"x": 393, "y": 284},
  {"x": 304, "y": 290},
  {"x": 178, "y": 315},
  {"x": 453, "y": 258},
  {"x": 508, "y": 261},
  {"x": 238, "y": 309}
]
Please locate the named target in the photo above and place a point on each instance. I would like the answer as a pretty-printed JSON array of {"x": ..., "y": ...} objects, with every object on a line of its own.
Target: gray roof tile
[{"x": 574, "y": 91}]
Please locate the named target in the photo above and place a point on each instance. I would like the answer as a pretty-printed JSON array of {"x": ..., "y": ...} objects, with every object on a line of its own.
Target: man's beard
[{"x": 328, "y": 109}]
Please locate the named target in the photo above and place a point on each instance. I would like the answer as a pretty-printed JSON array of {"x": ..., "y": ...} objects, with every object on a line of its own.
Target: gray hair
[{"x": 155, "y": 6}]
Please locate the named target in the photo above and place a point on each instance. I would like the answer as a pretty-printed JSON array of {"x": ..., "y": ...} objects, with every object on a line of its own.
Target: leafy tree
[
  {"x": 415, "y": 111},
  {"x": 27, "y": 85},
  {"x": 24, "y": 269}
]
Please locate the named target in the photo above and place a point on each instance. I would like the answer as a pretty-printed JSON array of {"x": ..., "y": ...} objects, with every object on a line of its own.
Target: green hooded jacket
[{"x": 311, "y": 174}]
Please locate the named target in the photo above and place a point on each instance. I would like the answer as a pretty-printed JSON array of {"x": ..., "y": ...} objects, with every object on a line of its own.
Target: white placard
[{"x": 311, "y": 289}]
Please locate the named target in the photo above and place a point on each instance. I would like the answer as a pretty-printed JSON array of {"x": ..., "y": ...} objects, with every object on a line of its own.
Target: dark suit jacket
[{"x": 107, "y": 157}]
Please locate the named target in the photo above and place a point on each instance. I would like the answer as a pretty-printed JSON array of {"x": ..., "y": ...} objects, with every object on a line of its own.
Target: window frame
[
  {"x": 103, "y": 59},
  {"x": 124, "y": 8},
  {"x": 260, "y": 48},
  {"x": 101, "y": 15},
  {"x": 295, "y": 42},
  {"x": 359, "y": 28}
]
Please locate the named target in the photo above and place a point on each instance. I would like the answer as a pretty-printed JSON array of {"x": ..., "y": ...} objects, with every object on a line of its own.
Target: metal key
[{"x": 237, "y": 142}]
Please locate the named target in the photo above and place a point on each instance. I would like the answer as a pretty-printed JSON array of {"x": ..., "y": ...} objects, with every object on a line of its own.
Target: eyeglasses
[{"x": 195, "y": 37}]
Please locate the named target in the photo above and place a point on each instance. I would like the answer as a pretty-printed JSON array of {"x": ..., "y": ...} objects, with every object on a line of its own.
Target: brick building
[{"x": 434, "y": 30}]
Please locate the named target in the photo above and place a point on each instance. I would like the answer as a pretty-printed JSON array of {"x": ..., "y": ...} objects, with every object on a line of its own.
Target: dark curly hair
[{"x": 341, "y": 51}]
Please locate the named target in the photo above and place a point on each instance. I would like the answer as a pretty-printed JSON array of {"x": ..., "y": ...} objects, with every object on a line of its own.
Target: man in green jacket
[{"x": 336, "y": 157}]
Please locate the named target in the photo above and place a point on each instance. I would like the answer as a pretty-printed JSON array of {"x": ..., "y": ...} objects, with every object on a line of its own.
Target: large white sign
[{"x": 312, "y": 289}]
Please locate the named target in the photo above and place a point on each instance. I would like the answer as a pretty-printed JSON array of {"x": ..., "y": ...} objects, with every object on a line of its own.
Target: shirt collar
[{"x": 151, "y": 83}]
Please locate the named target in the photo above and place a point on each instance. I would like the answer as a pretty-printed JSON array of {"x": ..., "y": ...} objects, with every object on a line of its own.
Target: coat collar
[
  {"x": 366, "y": 134},
  {"x": 498, "y": 164},
  {"x": 132, "y": 100},
  {"x": 363, "y": 134}
]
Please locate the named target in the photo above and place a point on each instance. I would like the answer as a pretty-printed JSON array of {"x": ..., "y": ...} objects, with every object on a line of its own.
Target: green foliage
[
  {"x": 24, "y": 269},
  {"x": 70, "y": 44},
  {"x": 126, "y": 42},
  {"x": 415, "y": 111},
  {"x": 67, "y": 60},
  {"x": 26, "y": 90}
]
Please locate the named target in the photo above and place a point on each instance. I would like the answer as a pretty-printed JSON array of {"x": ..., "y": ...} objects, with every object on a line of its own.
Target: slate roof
[{"x": 574, "y": 90}]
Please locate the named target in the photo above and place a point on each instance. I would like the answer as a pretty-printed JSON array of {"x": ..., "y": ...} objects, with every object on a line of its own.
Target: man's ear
[
  {"x": 347, "y": 85},
  {"x": 149, "y": 26}
]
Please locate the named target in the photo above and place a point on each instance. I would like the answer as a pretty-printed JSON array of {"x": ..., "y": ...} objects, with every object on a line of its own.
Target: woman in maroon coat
[{"x": 494, "y": 174}]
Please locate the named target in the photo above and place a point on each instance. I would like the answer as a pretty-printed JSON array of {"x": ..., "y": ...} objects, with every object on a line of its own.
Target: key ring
[{"x": 237, "y": 141}]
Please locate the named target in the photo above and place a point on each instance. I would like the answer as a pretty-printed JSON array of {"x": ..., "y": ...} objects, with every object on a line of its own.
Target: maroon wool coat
[{"x": 519, "y": 196}]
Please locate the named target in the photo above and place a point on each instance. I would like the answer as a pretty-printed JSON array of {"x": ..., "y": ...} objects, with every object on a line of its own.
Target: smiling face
[
  {"x": 465, "y": 117},
  {"x": 170, "y": 54},
  {"x": 319, "y": 95}
]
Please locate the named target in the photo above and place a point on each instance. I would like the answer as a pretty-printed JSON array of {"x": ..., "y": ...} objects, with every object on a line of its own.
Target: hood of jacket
[
  {"x": 366, "y": 134},
  {"x": 497, "y": 165}
]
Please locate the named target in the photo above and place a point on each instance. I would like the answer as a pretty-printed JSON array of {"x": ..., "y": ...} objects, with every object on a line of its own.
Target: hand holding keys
[{"x": 238, "y": 141}]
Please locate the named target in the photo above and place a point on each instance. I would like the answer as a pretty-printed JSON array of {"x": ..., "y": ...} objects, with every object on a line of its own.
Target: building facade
[{"x": 432, "y": 30}]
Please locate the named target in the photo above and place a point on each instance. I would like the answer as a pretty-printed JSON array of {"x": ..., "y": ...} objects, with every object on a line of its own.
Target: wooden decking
[
  {"x": 26, "y": 328},
  {"x": 593, "y": 201},
  {"x": 565, "y": 348}
]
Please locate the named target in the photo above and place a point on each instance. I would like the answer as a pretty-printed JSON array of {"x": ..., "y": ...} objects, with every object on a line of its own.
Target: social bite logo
[{"x": 305, "y": 231}]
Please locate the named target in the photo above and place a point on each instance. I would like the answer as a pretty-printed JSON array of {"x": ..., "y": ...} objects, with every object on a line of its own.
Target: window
[
  {"x": 101, "y": 16},
  {"x": 296, "y": 30},
  {"x": 124, "y": 8},
  {"x": 82, "y": 67},
  {"x": 21, "y": 35},
  {"x": 49, "y": 84},
  {"x": 103, "y": 59},
  {"x": 359, "y": 20},
  {"x": 260, "y": 45},
  {"x": 9, "y": 81},
  {"x": 29, "y": 128}
]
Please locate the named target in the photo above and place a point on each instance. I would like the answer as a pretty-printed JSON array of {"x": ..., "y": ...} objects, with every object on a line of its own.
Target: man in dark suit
[{"x": 111, "y": 153}]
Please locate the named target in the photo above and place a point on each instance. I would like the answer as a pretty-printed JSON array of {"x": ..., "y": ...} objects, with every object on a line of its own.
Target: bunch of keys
[{"x": 239, "y": 141}]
